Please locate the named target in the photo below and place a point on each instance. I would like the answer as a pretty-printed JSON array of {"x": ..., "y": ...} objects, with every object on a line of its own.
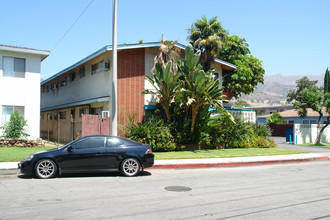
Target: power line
[{"x": 72, "y": 25}]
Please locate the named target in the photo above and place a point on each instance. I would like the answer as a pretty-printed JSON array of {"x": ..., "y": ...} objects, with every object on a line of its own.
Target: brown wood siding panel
[{"x": 131, "y": 77}]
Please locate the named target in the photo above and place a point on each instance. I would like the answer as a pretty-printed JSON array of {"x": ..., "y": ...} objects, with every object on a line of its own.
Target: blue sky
[{"x": 291, "y": 37}]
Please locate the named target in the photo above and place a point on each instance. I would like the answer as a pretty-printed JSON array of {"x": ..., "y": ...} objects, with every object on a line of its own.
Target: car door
[
  {"x": 111, "y": 152},
  {"x": 84, "y": 155}
]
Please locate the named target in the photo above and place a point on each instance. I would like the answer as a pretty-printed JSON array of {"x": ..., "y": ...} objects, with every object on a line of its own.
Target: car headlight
[{"x": 28, "y": 158}]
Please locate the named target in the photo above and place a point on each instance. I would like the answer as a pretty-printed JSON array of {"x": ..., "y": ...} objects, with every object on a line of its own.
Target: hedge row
[{"x": 21, "y": 143}]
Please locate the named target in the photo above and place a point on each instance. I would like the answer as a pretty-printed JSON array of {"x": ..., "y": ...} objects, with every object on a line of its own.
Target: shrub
[
  {"x": 155, "y": 133},
  {"x": 262, "y": 130},
  {"x": 258, "y": 142},
  {"x": 16, "y": 126},
  {"x": 226, "y": 132}
]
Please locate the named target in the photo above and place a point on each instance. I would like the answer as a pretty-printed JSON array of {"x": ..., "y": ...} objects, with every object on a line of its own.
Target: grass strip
[
  {"x": 8, "y": 154},
  {"x": 316, "y": 145},
  {"x": 225, "y": 153}
]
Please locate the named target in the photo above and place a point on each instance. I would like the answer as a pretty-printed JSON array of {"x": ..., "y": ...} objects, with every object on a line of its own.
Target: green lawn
[
  {"x": 238, "y": 152},
  {"x": 317, "y": 145},
  {"x": 19, "y": 153}
]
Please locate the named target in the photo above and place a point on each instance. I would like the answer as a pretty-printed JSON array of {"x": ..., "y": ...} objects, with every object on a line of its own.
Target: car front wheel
[
  {"x": 130, "y": 167},
  {"x": 45, "y": 169}
]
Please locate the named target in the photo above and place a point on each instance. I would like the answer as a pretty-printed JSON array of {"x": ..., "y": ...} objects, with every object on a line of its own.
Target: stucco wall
[
  {"x": 23, "y": 91},
  {"x": 81, "y": 89},
  {"x": 308, "y": 133}
]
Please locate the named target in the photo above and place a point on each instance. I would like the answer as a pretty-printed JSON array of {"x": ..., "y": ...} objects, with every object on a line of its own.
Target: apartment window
[
  {"x": 14, "y": 67},
  {"x": 62, "y": 115},
  {"x": 83, "y": 111},
  {"x": 7, "y": 110},
  {"x": 73, "y": 76},
  {"x": 73, "y": 113},
  {"x": 95, "y": 68},
  {"x": 82, "y": 72},
  {"x": 49, "y": 116},
  {"x": 63, "y": 81},
  {"x": 312, "y": 121}
]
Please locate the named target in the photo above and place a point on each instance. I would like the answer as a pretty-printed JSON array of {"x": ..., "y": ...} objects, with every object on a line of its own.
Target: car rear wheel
[
  {"x": 45, "y": 169},
  {"x": 130, "y": 167}
]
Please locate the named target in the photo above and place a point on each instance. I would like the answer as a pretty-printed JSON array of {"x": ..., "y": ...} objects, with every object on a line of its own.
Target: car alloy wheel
[
  {"x": 46, "y": 168},
  {"x": 130, "y": 167}
]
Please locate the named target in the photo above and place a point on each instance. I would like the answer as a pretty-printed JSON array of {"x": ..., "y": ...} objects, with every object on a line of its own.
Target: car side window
[
  {"x": 114, "y": 142},
  {"x": 89, "y": 143}
]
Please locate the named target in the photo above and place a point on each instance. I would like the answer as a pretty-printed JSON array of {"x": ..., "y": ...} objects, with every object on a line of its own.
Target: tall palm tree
[{"x": 207, "y": 36}]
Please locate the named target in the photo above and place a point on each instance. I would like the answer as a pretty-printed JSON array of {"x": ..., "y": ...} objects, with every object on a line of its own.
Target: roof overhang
[
  {"x": 79, "y": 103},
  {"x": 42, "y": 53},
  {"x": 223, "y": 64}
]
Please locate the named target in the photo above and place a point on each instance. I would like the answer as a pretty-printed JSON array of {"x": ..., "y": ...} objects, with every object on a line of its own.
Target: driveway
[{"x": 280, "y": 141}]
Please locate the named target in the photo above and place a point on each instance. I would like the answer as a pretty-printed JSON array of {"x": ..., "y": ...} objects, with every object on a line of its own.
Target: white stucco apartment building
[{"x": 20, "y": 85}]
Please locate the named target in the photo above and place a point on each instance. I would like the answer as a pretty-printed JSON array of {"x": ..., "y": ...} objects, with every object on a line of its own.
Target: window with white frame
[
  {"x": 7, "y": 110},
  {"x": 13, "y": 67}
]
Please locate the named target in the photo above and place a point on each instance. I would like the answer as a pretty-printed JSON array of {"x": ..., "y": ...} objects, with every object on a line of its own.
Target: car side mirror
[{"x": 70, "y": 149}]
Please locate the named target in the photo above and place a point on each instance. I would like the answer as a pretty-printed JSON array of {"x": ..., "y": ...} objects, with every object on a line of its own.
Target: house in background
[
  {"x": 20, "y": 85},
  {"x": 85, "y": 88},
  {"x": 292, "y": 117},
  {"x": 265, "y": 110}
]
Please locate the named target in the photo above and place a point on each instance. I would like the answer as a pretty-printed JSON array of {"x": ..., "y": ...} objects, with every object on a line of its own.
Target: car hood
[{"x": 46, "y": 151}]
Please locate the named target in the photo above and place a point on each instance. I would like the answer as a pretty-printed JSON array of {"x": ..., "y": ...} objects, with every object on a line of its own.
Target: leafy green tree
[
  {"x": 274, "y": 118},
  {"x": 301, "y": 84},
  {"x": 249, "y": 70},
  {"x": 233, "y": 48},
  {"x": 241, "y": 103},
  {"x": 310, "y": 96},
  {"x": 207, "y": 36},
  {"x": 16, "y": 127},
  {"x": 214, "y": 42}
]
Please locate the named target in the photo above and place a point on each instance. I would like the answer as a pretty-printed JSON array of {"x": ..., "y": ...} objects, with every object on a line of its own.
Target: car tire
[
  {"x": 130, "y": 167},
  {"x": 45, "y": 168}
]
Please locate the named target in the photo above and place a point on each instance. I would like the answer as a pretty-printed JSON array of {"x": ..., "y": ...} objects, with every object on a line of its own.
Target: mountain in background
[{"x": 275, "y": 89}]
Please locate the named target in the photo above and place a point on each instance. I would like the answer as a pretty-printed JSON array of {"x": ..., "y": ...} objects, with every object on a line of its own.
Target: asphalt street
[{"x": 290, "y": 191}]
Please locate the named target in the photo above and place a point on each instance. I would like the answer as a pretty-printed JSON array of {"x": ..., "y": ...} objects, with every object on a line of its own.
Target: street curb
[
  {"x": 238, "y": 164},
  {"x": 217, "y": 162}
]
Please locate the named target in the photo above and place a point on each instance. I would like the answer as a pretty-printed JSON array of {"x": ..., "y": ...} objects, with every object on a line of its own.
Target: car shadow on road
[{"x": 88, "y": 175}]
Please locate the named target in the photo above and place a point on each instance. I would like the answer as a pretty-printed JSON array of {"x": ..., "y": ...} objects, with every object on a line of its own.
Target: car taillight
[{"x": 148, "y": 151}]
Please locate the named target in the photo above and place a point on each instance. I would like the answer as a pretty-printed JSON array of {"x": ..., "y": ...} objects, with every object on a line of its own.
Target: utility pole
[{"x": 113, "y": 93}]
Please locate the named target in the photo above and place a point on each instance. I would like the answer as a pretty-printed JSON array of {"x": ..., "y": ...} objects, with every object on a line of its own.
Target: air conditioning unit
[{"x": 105, "y": 114}]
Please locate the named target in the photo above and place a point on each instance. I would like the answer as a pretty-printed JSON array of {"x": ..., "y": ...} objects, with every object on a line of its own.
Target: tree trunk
[
  {"x": 319, "y": 132},
  {"x": 166, "y": 109},
  {"x": 318, "y": 138}
]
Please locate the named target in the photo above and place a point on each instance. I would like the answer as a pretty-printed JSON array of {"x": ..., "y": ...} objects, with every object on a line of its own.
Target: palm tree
[
  {"x": 167, "y": 53},
  {"x": 207, "y": 36},
  {"x": 274, "y": 118}
]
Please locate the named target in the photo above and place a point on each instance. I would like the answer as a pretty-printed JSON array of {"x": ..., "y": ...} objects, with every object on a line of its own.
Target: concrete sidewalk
[{"x": 220, "y": 162}]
